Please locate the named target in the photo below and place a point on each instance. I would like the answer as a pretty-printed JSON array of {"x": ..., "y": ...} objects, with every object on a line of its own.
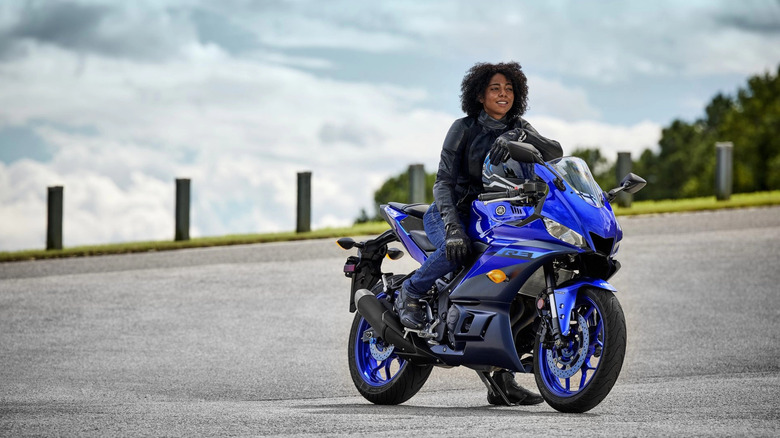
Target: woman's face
[{"x": 498, "y": 97}]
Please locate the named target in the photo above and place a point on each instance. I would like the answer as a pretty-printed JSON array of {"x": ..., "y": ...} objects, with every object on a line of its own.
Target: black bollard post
[
  {"x": 724, "y": 170},
  {"x": 623, "y": 168},
  {"x": 182, "y": 209},
  {"x": 54, "y": 218},
  {"x": 304, "y": 203},
  {"x": 416, "y": 183}
]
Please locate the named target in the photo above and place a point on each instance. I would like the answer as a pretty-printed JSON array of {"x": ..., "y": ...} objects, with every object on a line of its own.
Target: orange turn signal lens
[{"x": 496, "y": 276}]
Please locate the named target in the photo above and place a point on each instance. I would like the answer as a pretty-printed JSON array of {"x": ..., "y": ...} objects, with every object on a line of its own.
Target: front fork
[
  {"x": 562, "y": 301},
  {"x": 555, "y": 323}
]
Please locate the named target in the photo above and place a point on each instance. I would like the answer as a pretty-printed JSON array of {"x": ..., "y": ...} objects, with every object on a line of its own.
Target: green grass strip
[
  {"x": 199, "y": 242},
  {"x": 742, "y": 200}
]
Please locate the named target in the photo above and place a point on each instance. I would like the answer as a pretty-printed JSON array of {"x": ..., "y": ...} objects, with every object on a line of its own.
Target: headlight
[{"x": 565, "y": 233}]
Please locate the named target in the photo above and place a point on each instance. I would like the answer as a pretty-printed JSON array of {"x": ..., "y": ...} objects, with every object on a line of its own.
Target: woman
[{"x": 493, "y": 96}]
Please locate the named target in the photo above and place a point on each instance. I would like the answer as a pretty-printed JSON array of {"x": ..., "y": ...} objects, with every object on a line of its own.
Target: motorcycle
[{"x": 532, "y": 298}]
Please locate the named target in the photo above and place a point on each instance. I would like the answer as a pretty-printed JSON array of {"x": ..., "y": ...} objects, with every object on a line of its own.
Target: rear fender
[
  {"x": 566, "y": 297},
  {"x": 394, "y": 217},
  {"x": 366, "y": 267}
]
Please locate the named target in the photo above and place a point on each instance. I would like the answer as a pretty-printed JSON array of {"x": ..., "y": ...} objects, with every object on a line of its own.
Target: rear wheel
[
  {"x": 579, "y": 376},
  {"x": 380, "y": 375}
]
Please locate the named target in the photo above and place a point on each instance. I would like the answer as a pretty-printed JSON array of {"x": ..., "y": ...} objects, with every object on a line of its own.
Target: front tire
[
  {"x": 389, "y": 381},
  {"x": 579, "y": 376}
]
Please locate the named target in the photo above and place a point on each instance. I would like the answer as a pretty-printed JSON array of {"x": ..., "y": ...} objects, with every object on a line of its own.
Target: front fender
[{"x": 566, "y": 297}]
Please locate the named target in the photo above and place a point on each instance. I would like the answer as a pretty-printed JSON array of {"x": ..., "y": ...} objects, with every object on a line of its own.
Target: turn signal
[
  {"x": 496, "y": 276},
  {"x": 394, "y": 253},
  {"x": 345, "y": 243}
]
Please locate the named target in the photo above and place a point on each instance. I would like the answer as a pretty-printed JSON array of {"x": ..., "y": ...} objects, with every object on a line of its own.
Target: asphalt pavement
[{"x": 251, "y": 340}]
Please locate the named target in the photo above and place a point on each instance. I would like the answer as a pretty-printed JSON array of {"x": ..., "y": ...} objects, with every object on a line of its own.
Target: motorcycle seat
[
  {"x": 421, "y": 239},
  {"x": 416, "y": 210}
]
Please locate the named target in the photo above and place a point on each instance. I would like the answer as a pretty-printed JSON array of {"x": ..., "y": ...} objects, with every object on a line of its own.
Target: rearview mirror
[
  {"x": 524, "y": 152},
  {"x": 632, "y": 183}
]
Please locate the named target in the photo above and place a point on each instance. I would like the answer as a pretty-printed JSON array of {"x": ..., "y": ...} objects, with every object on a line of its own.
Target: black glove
[
  {"x": 499, "y": 153},
  {"x": 458, "y": 243}
]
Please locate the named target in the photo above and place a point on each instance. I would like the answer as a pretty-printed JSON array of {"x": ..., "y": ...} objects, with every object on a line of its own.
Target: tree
[
  {"x": 396, "y": 189},
  {"x": 363, "y": 218},
  {"x": 648, "y": 166},
  {"x": 685, "y": 164},
  {"x": 753, "y": 125}
]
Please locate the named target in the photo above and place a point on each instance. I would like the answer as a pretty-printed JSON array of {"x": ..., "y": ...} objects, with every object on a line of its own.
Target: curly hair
[{"x": 477, "y": 80}]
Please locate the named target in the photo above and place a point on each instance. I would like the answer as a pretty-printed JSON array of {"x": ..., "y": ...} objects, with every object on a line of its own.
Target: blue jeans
[{"x": 437, "y": 264}]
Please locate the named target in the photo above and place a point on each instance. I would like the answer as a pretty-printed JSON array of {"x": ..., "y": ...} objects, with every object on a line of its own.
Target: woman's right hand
[{"x": 499, "y": 153}]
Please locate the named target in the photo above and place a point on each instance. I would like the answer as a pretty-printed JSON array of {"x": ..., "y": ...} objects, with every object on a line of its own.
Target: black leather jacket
[{"x": 459, "y": 179}]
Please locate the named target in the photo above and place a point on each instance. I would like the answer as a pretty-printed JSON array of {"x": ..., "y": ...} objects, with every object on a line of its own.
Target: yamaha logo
[{"x": 500, "y": 210}]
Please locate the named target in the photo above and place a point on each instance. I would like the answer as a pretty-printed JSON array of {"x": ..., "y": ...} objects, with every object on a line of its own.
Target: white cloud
[
  {"x": 242, "y": 155},
  {"x": 23, "y": 200},
  {"x": 618, "y": 41},
  {"x": 240, "y": 114},
  {"x": 241, "y": 130},
  {"x": 725, "y": 51},
  {"x": 553, "y": 98},
  {"x": 96, "y": 210},
  {"x": 611, "y": 139},
  {"x": 298, "y": 31}
]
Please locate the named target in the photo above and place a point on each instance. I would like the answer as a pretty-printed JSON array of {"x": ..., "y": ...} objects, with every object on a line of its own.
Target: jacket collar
[{"x": 490, "y": 123}]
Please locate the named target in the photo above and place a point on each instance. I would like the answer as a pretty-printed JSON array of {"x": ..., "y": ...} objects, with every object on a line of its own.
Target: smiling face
[{"x": 498, "y": 97}]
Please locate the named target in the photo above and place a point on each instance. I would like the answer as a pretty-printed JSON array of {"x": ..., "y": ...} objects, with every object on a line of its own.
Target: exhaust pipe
[{"x": 383, "y": 321}]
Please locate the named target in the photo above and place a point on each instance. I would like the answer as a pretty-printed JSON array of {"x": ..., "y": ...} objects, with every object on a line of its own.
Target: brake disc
[
  {"x": 382, "y": 352},
  {"x": 563, "y": 368}
]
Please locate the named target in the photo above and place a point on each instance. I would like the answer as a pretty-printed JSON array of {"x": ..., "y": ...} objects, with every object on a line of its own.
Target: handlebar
[
  {"x": 489, "y": 196},
  {"x": 528, "y": 188}
]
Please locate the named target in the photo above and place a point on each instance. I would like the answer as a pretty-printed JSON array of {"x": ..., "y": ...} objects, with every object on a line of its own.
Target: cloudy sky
[{"x": 114, "y": 100}]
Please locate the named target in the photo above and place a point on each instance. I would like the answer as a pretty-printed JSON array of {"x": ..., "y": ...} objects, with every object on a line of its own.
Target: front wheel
[
  {"x": 380, "y": 375},
  {"x": 579, "y": 376}
]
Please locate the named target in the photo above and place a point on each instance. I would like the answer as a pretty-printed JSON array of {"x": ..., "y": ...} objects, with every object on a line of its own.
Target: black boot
[
  {"x": 516, "y": 394},
  {"x": 409, "y": 310}
]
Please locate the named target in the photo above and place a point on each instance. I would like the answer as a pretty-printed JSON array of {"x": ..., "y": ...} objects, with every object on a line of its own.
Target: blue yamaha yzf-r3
[{"x": 532, "y": 298}]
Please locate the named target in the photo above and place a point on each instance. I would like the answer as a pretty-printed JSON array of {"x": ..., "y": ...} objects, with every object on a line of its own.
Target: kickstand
[{"x": 492, "y": 386}]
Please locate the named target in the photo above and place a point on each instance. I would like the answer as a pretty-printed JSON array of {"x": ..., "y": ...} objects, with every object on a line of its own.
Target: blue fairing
[
  {"x": 566, "y": 296},
  {"x": 570, "y": 209},
  {"x": 403, "y": 235},
  {"x": 519, "y": 244}
]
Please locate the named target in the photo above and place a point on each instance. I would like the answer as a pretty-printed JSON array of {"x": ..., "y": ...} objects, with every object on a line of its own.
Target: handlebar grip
[{"x": 497, "y": 195}]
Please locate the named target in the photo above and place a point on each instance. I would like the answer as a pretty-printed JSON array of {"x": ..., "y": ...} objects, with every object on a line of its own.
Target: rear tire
[
  {"x": 391, "y": 381},
  {"x": 578, "y": 379}
]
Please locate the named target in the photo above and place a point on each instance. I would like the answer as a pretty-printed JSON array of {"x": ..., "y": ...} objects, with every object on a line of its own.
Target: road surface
[{"x": 251, "y": 340}]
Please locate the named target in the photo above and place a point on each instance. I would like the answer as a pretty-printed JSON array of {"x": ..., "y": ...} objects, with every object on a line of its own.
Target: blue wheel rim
[
  {"x": 576, "y": 383},
  {"x": 372, "y": 371}
]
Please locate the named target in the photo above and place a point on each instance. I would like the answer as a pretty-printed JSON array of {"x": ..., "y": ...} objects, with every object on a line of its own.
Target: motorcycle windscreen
[
  {"x": 577, "y": 174},
  {"x": 581, "y": 207}
]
